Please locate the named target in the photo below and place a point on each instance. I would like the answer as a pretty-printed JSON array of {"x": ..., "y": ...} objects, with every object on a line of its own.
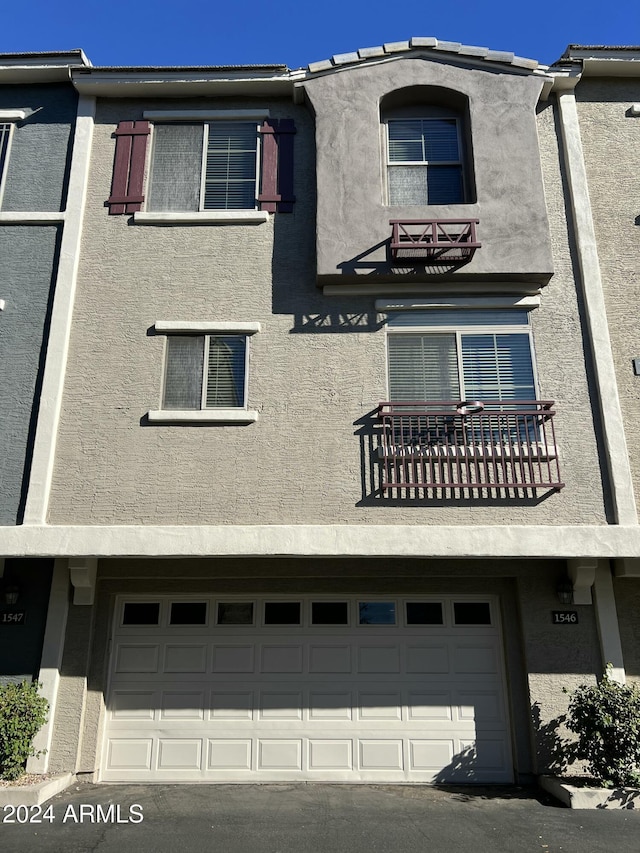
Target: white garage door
[{"x": 326, "y": 689}]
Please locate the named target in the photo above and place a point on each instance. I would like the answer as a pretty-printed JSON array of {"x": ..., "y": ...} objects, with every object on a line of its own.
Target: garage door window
[
  {"x": 282, "y": 613},
  {"x": 472, "y": 613},
  {"x": 329, "y": 613},
  {"x": 188, "y": 613},
  {"x": 141, "y": 613},
  {"x": 424, "y": 613},
  {"x": 235, "y": 613},
  {"x": 377, "y": 612}
]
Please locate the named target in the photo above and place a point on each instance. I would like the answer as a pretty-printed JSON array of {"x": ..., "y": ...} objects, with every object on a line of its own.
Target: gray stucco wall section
[
  {"x": 39, "y": 158},
  {"x": 610, "y": 140},
  {"x": 353, "y": 219},
  {"x": 26, "y": 277},
  {"x": 317, "y": 373},
  {"x": 21, "y": 644},
  {"x": 540, "y": 658}
]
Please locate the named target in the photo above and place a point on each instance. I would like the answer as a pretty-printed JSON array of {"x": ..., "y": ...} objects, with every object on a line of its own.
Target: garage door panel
[
  {"x": 231, "y": 705},
  {"x": 430, "y": 755},
  {"x": 330, "y": 755},
  {"x": 475, "y": 659},
  {"x": 229, "y": 754},
  {"x": 330, "y": 705},
  {"x": 429, "y": 705},
  {"x": 281, "y": 659},
  {"x": 432, "y": 658},
  {"x": 130, "y": 705},
  {"x": 379, "y": 659},
  {"x": 279, "y": 754},
  {"x": 279, "y": 705},
  {"x": 129, "y": 754},
  {"x": 136, "y": 658},
  {"x": 179, "y": 754},
  {"x": 381, "y": 755},
  {"x": 330, "y": 659},
  {"x": 182, "y": 706},
  {"x": 233, "y": 658},
  {"x": 379, "y": 706},
  {"x": 185, "y": 658}
]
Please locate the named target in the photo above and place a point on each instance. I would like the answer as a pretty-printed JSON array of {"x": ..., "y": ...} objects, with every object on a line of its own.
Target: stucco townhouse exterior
[{"x": 335, "y": 453}]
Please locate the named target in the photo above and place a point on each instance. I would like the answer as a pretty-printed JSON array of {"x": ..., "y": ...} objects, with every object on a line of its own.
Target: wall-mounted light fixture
[{"x": 564, "y": 590}]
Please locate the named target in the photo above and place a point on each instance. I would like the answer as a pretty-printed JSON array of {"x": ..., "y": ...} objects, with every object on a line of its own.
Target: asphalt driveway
[{"x": 284, "y": 818}]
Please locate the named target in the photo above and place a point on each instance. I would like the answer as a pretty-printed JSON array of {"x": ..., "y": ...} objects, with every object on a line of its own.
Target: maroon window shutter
[
  {"x": 128, "y": 168},
  {"x": 277, "y": 165},
  {"x": 286, "y": 132}
]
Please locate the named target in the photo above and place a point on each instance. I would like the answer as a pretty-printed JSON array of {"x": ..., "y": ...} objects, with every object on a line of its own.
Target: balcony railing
[
  {"x": 433, "y": 241},
  {"x": 468, "y": 449}
]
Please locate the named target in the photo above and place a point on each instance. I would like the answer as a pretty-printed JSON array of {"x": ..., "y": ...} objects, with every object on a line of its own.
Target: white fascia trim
[
  {"x": 331, "y": 540},
  {"x": 29, "y": 217},
  {"x": 525, "y": 302},
  {"x": 203, "y": 416},
  {"x": 177, "y": 326},
  {"x": 13, "y": 115},
  {"x": 201, "y": 217},
  {"x": 61, "y": 318},
  {"x": 204, "y": 115},
  {"x": 590, "y": 282}
]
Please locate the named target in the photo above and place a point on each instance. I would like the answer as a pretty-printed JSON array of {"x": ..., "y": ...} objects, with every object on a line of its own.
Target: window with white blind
[
  {"x": 443, "y": 356},
  {"x": 205, "y": 372},
  {"x": 6, "y": 129},
  {"x": 198, "y": 166},
  {"x": 424, "y": 161}
]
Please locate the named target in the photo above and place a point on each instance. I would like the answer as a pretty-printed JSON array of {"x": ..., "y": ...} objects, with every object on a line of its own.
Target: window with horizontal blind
[
  {"x": 424, "y": 161},
  {"x": 204, "y": 166},
  {"x": 205, "y": 372},
  {"x": 5, "y": 138},
  {"x": 445, "y": 355}
]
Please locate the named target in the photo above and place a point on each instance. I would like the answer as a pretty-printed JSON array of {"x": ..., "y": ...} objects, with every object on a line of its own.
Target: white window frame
[
  {"x": 237, "y": 415},
  {"x": 426, "y": 163},
  {"x": 202, "y": 215},
  {"x": 459, "y": 329},
  {"x": 9, "y": 118}
]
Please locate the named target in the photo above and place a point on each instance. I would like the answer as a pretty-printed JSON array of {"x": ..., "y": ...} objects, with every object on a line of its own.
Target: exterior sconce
[
  {"x": 565, "y": 591},
  {"x": 11, "y": 594}
]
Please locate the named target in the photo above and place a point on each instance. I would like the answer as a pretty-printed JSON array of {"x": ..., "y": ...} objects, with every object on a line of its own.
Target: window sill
[
  {"x": 201, "y": 217},
  {"x": 202, "y": 416}
]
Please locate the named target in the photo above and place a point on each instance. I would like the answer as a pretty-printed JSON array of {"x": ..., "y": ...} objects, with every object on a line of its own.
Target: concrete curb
[
  {"x": 34, "y": 795},
  {"x": 590, "y": 798}
]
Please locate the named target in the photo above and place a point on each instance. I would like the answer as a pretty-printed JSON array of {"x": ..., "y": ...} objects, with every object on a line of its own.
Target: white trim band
[
  {"x": 200, "y": 217},
  {"x": 204, "y": 115},
  {"x": 200, "y": 416},
  {"x": 525, "y": 302},
  {"x": 28, "y": 217},
  {"x": 228, "y": 328},
  {"x": 13, "y": 115}
]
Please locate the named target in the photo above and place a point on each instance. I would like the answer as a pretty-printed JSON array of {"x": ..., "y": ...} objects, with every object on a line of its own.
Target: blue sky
[{"x": 193, "y": 32}]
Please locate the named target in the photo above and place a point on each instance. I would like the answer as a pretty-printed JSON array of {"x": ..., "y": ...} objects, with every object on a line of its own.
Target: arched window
[{"x": 427, "y": 147}]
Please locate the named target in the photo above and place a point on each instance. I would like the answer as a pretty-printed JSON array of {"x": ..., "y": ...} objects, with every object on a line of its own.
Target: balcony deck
[
  {"x": 491, "y": 448},
  {"x": 436, "y": 241}
]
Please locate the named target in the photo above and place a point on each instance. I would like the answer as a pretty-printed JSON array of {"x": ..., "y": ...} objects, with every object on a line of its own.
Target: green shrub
[
  {"x": 606, "y": 718},
  {"x": 22, "y": 713}
]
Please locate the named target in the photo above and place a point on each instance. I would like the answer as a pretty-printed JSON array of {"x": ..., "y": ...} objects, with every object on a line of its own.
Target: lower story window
[{"x": 205, "y": 372}]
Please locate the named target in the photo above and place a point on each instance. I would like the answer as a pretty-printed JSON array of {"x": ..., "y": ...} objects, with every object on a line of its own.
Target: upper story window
[
  {"x": 210, "y": 166},
  {"x": 204, "y": 165},
  {"x": 424, "y": 161},
  {"x": 5, "y": 138},
  {"x": 460, "y": 355},
  {"x": 427, "y": 147}
]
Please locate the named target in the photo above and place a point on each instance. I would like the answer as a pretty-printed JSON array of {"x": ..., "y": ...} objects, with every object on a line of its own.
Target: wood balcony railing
[
  {"x": 433, "y": 241},
  {"x": 455, "y": 449}
]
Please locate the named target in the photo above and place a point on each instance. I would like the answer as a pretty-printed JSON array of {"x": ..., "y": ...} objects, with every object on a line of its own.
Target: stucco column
[
  {"x": 49, "y": 675},
  {"x": 590, "y": 282},
  {"x": 61, "y": 316},
  {"x": 607, "y": 621}
]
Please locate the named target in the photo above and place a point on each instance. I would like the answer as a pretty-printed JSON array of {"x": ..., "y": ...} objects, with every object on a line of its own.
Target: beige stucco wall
[
  {"x": 611, "y": 140},
  {"x": 317, "y": 373},
  {"x": 540, "y": 658}
]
